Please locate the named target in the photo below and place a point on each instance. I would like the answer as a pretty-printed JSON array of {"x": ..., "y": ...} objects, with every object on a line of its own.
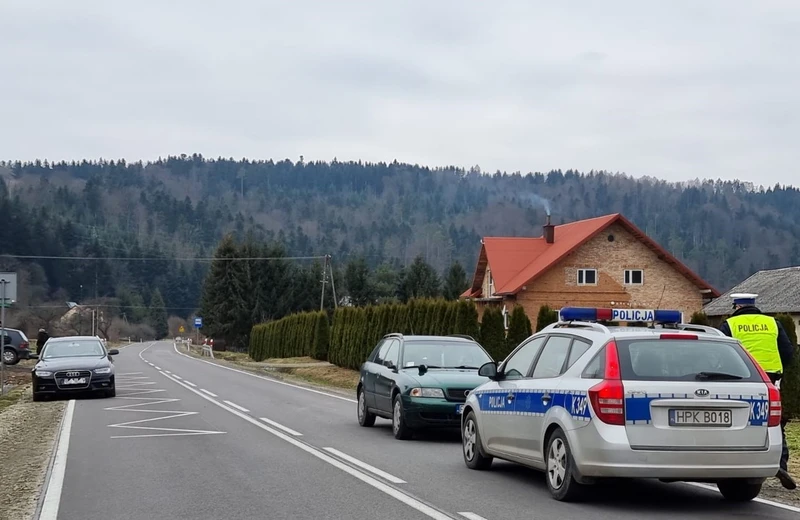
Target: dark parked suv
[{"x": 16, "y": 346}]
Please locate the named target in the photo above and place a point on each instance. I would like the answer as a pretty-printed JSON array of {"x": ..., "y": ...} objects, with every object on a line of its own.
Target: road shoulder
[{"x": 27, "y": 434}]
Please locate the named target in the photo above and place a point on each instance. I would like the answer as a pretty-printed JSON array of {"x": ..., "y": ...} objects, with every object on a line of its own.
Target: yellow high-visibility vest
[{"x": 759, "y": 335}]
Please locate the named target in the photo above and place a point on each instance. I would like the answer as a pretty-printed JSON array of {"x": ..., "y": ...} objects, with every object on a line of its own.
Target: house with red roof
[{"x": 604, "y": 262}]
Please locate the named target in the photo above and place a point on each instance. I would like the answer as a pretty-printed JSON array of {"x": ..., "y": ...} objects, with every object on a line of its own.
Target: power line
[
  {"x": 161, "y": 259},
  {"x": 89, "y": 305}
]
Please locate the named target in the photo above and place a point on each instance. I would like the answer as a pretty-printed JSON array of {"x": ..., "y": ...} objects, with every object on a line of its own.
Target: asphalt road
[{"x": 186, "y": 438}]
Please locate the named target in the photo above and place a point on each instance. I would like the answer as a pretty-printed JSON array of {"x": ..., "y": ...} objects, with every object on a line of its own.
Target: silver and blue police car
[{"x": 584, "y": 401}]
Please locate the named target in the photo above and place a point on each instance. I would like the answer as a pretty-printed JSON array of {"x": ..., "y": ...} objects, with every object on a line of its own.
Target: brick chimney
[{"x": 549, "y": 231}]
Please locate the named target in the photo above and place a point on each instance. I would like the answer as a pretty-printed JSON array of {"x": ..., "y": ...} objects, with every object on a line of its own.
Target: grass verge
[
  {"x": 329, "y": 376},
  {"x": 13, "y": 396},
  {"x": 793, "y": 440}
]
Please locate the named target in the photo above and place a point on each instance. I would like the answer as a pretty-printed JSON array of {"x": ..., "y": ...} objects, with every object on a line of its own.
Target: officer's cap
[{"x": 744, "y": 298}]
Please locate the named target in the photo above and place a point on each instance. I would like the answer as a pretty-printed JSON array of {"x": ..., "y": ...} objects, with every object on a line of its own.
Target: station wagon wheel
[
  {"x": 560, "y": 480},
  {"x": 399, "y": 428},
  {"x": 10, "y": 356},
  {"x": 471, "y": 443},
  {"x": 365, "y": 418}
]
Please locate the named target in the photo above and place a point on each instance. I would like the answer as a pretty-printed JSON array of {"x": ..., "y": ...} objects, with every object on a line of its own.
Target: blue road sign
[{"x": 198, "y": 322}]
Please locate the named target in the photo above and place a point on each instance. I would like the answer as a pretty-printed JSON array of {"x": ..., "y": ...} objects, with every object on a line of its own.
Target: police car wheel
[
  {"x": 737, "y": 490},
  {"x": 471, "y": 444},
  {"x": 365, "y": 418},
  {"x": 558, "y": 459},
  {"x": 399, "y": 428}
]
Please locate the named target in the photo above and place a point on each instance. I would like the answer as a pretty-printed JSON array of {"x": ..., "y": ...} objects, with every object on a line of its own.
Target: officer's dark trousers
[{"x": 785, "y": 452}]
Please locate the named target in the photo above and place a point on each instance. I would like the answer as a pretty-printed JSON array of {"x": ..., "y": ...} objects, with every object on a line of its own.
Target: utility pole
[
  {"x": 327, "y": 266},
  {"x": 333, "y": 285},
  {"x": 324, "y": 281}
]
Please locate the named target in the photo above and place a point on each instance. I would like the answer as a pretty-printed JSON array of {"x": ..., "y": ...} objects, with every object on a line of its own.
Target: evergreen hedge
[
  {"x": 790, "y": 385},
  {"x": 356, "y": 330},
  {"x": 546, "y": 317},
  {"x": 519, "y": 329},
  {"x": 493, "y": 334},
  {"x": 303, "y": 334}
]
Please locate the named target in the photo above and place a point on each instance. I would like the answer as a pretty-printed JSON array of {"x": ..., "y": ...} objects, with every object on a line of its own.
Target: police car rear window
[{"x": 684, "y": 360}]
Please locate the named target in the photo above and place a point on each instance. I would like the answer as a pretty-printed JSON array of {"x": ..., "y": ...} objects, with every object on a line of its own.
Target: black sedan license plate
[
  {"x": 74, "y": 381},
  {"x": 700, "y": 417}
]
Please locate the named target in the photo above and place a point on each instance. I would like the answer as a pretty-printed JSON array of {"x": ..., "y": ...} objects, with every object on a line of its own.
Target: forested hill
[{"x": 386, "y": 212}]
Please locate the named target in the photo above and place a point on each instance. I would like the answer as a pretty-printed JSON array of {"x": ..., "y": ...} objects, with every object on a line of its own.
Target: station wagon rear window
[{"x": 684, "y": 360}]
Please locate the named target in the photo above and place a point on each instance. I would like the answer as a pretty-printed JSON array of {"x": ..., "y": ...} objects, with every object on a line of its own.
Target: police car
[{"x": 583, "y": 401}]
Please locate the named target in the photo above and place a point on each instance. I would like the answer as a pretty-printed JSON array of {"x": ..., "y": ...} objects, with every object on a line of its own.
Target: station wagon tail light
[
  {"x": 608, "y": 397},
  {"x": 775, "y": 407},
  {"x": 24, "y": 345}
]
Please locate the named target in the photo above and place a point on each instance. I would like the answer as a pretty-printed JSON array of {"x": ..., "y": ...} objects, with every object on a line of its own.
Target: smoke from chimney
[{"x": 549, "y": 231}]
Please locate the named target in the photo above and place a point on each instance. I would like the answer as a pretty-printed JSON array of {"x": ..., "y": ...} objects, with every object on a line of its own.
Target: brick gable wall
[{"x": 662, "y": 283}]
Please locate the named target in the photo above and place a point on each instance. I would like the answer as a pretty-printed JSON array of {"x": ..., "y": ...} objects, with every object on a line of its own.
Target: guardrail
[{"x": 205, "y": 349}]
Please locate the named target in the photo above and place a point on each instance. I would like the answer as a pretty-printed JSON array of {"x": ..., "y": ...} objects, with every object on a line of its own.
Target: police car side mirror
[{"x": 488, "y": 370}]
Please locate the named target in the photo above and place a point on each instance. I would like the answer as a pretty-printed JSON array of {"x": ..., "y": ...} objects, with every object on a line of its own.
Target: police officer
[{"x": 766, "y": 340}]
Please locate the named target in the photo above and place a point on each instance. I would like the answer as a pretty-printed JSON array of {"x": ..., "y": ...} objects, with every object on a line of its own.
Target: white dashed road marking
[
  {"x": 212, "y": 394},
  {"x": 189, "y": 383},
  {"x": 241, "y": 408},
  {"x": 364, "y": 465},
  {"x": 282, "y": 427},
  {"x": 471, "y": 516}
]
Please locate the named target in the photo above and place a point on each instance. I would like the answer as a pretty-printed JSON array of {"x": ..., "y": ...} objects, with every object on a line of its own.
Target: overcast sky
[{"x": 672, "y": 89}]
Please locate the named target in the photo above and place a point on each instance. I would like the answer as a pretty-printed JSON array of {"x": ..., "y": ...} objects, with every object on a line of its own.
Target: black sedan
[{"x": 74, "y": 364}]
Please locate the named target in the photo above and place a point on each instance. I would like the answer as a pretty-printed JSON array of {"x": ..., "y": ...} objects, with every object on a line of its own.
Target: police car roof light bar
[{"x": 589, "y": 314}]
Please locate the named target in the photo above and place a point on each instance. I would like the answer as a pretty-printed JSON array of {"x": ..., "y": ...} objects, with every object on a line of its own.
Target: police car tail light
[
  {"x": 775, "y": 407},
  {"x": 608, "y": 397}
]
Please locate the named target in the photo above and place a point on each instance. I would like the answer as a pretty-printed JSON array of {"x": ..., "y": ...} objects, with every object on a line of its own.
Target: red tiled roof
[{"x": 517, "y": 261}]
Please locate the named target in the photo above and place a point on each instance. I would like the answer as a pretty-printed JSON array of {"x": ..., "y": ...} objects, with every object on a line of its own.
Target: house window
[
  {"x": 634, "y": 277},
  {"x": 491, "y": 284},
  {"x": 587, "y": 276}
]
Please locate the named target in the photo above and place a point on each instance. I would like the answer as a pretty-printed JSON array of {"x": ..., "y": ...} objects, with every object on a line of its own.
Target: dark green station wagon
[{"x": 419, "y": 382}]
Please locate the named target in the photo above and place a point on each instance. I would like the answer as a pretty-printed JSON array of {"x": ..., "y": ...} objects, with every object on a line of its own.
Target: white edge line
[
  {"x": 157, "y": 368},
  {"x": 268, "y": 379},
  {"x": 471, "y": 516},
  {"x": 364, "y": 465},
  {"x": 367, "y": 479},
  {"x": 52, "y": 499},
  {"x": 282, "y": 427},
  {"x": 189, "y": 383},
  {"x": 212, "y": 394},
  {"x": 242, "y": 408},
  {"x": 764, "y": 501}
]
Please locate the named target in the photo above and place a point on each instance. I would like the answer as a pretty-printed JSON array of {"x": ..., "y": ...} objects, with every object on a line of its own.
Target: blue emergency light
[{"x": 627, "y": 315}]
